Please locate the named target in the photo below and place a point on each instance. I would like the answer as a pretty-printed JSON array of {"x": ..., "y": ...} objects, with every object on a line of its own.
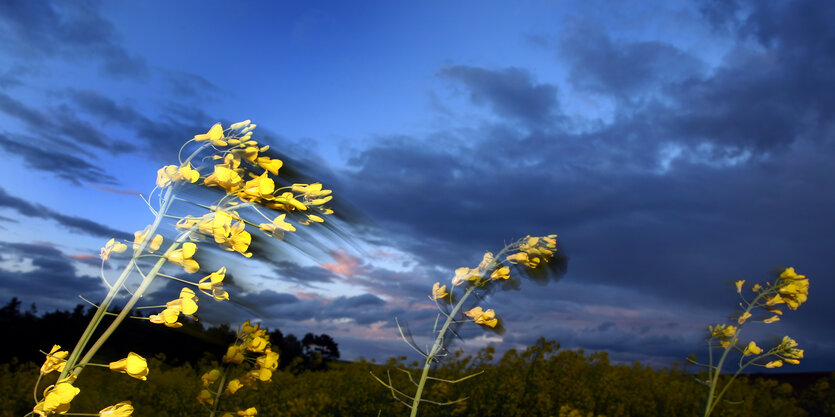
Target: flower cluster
[
  {"x": 791, "y": 289},
  {"x": 528, "y": 252},
  {"x": 252, "y": 197},
  {"x": 252, "y": 342}
]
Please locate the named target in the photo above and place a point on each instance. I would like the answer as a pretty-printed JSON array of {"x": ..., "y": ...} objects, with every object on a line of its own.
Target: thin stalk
[
  {"x": 714, "y": 380},
  {"x": 111, "y": 294},
  {"x": 439, "y": 344},
  {"x": 129, "y": 305}
]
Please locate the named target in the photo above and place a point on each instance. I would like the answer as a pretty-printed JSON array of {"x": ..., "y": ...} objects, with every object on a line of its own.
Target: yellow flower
[
  {"x": 756, "y": 288},
  {"x": 215, "y": 134},
  {"x": 140, "y": 236},
  {"x": 205, "y": 397},
  {"x": 249, "y": 412},
  {"x": 168, "y": 317},
  {"x": 112, "y": 246},
  {"x": 183, "y": 256},
  {"x": 170, "y": 173},
  {"x": 256, "y": 344},
  {"x": 269, "y": 360},
  {"x": 524, "y": 258},
  {"x": 271, "y": 165},
  {"x": 752, "y": 349},
  {"x": 486, "y": 260},
  {"x": 210, "y": 377},
  {"x": 225, "y": 178},
  {"x": 57, "y": 398},
  {"x": 739, "y": 285},
  {"x": 214, "y": 283},
  {"x": 238, "y": 240},
  {"x": 234, "y": 354},
  {"x": 774, "y": 364},
  {"x": 464, "y": 274},
  {"x": 260, "y": 374},
  {"x": 134, "y": 365},
  {"x": 233, "y": 386},
  {"x": 186, "y": 304},
  {"x": 487, "y": 318},
  {"x": 743, "y": 317},
  {"x": 55, "y": 360},
  {"x": 315, "y": 218},
  {"x": 258, "y": 188},
  {"x": 722, "y": 331},
  {"x": 122, "y": 409},
  {"x": 771, "y": 319},
  {"x": 501, "y": 273},
  {"x": 438, "y": 291},
  {"x": 277, "y": 227},
  {"x": 775, "y": 300}
]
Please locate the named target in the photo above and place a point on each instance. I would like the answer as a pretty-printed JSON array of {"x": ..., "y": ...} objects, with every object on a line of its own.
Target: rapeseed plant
[
  {"x": 790, "y": 289},
  {"x": 528, "y": 252},
  {"x": 230, "y": 161},
  {"x": 252, "y": 343}
]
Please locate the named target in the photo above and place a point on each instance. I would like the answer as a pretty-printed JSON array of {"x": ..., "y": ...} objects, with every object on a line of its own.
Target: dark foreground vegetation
[{"x": 535, "y": 382}]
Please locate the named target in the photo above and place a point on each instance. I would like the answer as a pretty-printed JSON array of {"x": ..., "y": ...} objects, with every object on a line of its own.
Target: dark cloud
[
  {"x": 627, "y": 70},
  {"x": 50, "y": 277},
  {"x": 64, "y": 165},
  {"x": 62, "y": 128},
  {"x": 73, "y": 31},
  {"x": 190, "y": 86},
  {"x": 511, "y": 92},
  {"x": 72, "y": 223}
]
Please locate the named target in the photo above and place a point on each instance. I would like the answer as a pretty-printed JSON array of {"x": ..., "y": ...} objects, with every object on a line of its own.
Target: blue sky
[{"x": 675, "y": 147}]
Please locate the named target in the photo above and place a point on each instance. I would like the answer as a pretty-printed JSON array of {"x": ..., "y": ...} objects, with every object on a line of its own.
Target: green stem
[
  {"x": 100, "y": 312},
  {"x": 714, "y": 379},
  {"x": 129, "y": 305},
  {"x": 439, "y": 344},
  {"x": 220, "y": 389}
]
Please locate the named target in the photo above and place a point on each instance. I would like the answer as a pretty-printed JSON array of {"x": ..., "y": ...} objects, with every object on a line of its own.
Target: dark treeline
[{"x": 191, "y": 343}]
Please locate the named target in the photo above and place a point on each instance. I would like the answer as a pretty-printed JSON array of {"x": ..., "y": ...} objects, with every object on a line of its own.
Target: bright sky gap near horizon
[{"x": 674, "y": 147}]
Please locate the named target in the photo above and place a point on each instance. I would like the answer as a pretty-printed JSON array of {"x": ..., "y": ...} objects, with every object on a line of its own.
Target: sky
[{"x": 674, "y": 146}]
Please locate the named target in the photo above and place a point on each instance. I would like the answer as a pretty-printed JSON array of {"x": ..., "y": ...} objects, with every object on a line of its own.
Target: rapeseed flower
[
  {"x": 112, "y": 246},
  {"x": 501, "y": 273},
  {"x": 215, "y": 134},
  {"x": 55, "y": 360},
  {"x": 140, "y": 236},
  {"x": 487, "y": 318},
  {"x": 752, "y": 349},
  {"x": 168, "y": 317},
  {"x": 57, "y": 398},
  {"x": 439, "y": 291},
  {"x": 183, "y": 256},
  {"x": 210, "y": 377},
  {"x": 249, "y": 412},
  {"x": 214, "y": 283},
  {"x": 134, "y": 365},
  {"x": 233, "y": 386},
  {"x": 122, "y": 409}
]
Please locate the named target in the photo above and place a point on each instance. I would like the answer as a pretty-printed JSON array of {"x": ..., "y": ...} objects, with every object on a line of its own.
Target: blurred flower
[
  {"x": 752, "y": 349},
  {"x": 205, "y": 397},
  {"x": 501, "y": 273},
  {"x": 251, "y": 411},
  {"x": 233, "y": 386},
  {"x": 774, "y": 364},
  {"x": 745, "y": 316},
  {"x": 739, "y": 285},
  {"x": 722, "y": 331},
  {"x": 112, "y": 246},
  {"x": 438, "y": 291},
  {"x": 210, "y": 377},
  {"x": 214, "y": 283},
  {"x": 464, "y": 274},
  {"x": 215, "y": 134},
  {"x": 122, "y": 409},
  {"x": 487, "y": 318},
  {"x": 771, "y": 319}
]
